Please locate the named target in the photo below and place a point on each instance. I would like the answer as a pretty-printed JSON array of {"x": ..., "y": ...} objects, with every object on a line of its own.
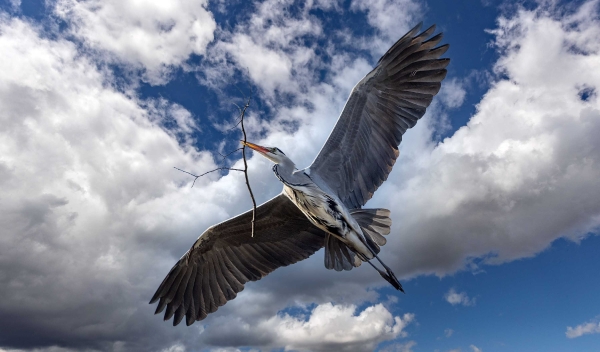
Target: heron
[{"x": 321, "y": 205}]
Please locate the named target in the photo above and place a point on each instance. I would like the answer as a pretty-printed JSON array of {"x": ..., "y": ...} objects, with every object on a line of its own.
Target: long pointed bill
[{"x": 256, "y": 147}]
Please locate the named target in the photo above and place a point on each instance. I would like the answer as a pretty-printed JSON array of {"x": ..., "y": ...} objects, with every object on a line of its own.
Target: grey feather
[
  {"x": 338, "y": 256},
  {"x": 382, "y": 106},
  {"x": 179, "y": 313},
  {"x": 374, "y": 223}
]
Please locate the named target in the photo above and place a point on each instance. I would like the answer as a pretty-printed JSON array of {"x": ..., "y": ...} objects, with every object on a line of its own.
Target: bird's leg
[
  {"x": 376, "y": 268},
  {"x": 372, "y": 250},
  {"x": 365, "y": 259},
  {"x": 389, "y": 277},
  {"x": 387, "y": 268}
]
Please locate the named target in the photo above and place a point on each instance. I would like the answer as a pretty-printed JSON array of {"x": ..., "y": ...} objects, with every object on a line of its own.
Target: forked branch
[
  {"x": 240, "y": 122},
  {"x": 242, "y": 113}
]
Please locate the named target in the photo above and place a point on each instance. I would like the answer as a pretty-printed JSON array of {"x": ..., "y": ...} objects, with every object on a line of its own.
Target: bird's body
[{"x": 320, "y": 206}]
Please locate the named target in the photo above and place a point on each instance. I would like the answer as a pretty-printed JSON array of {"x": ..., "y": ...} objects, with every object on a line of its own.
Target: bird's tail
[{"x": 374, "y": 224}]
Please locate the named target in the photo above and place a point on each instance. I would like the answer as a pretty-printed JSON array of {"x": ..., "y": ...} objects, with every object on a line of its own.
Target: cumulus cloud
[
  {"x": 269, "y": 48},
  {"x": 475, "y": 348},
  {"x": 455, "y": 298},
  {"x": 153, "y": 36},
  {"x": 87, "y": 197},
  {"x": 452, "y": 93},
  {"x": 448, "y": 332},
  {"x": 392, "y": 18},
  {"x": 327, "y": 327},
  {"x": 591, "y": 327}
]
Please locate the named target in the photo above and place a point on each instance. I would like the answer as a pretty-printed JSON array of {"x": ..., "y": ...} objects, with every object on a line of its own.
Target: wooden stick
[{"x": 242, "y": 113}]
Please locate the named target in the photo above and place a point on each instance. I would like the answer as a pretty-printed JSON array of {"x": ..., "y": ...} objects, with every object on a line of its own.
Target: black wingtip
[
  {"x": 426, "y": 33},
  {"x": 417, "y": 27},
  {"x": 178, "y": 316},
  {"x": 161, "y": 305},
  {"x": 155, "y": 297}
]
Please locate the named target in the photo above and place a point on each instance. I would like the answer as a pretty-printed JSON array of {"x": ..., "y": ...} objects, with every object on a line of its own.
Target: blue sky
[{"x": 494, "y": 198}]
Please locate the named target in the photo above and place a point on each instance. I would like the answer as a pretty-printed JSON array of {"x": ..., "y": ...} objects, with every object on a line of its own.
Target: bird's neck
[
  {"x": 285, "y": 171},
  {"x": 286, "y": 167}
]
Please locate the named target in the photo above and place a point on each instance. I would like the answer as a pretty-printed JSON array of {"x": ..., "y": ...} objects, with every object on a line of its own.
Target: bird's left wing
[
  {"x": 225, "y": 257},
  {"x": 363, "y": 146}
]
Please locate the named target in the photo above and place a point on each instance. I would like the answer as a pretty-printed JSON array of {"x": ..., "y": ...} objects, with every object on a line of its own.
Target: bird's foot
[{"x": 391, "y": 278}]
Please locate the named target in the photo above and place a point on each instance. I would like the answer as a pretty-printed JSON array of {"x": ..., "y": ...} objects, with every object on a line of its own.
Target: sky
[{"x": 494, "y": 198}]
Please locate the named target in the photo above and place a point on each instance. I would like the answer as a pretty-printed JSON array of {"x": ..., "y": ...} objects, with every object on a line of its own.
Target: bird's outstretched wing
[
  {"x": 225, "y": 257},
  {"x": 363, "y": 146}
]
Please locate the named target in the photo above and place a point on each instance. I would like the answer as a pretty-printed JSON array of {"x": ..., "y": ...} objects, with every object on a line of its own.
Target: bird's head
[{"x": 272, "y": 153}]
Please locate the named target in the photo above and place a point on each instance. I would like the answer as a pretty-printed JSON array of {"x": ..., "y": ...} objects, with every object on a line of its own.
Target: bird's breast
[{"x": 321, "y": 209}]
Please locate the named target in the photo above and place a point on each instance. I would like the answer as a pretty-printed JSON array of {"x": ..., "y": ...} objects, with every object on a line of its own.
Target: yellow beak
[{"x": 256, "y": 147}]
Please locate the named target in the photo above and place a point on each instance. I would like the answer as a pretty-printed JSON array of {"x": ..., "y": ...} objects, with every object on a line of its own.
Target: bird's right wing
[
  {"x": 363, "y": 146},
  {"x": 225, "y": 257}
]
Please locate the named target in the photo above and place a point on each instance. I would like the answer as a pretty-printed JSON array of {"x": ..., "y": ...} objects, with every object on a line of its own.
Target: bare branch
[
  {"x": 228, "y": 154},
  {"x": 244, "y": 95},
  {"x": 239, "y": 119},
  {"x": 242, "y": 113},
  {"x": 207, "y": 172},
  {"x": 239, "y": 109}
]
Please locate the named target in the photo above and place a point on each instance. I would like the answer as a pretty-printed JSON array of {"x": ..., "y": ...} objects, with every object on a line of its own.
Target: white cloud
[
  {"x": 152, "y": 35},
  {"x": 591, "y": 327},
  {"x": 452, "y": 93},
  {"x": 269, "y": 48},
  {"x": 448, "y": 332},
  {"x": 392, "y": 18},
  {"x": 455, "y": 298},
  {"x": 400, "y": 347},
  {"x": 475, "y": 348},
  {"x": 15, "y": 4},
  {"x": 90, "y": 199},
  {"x": 334, "y": 325},
  {"x": 175, "y": 348},
  {"x": 327, "y": 327}
]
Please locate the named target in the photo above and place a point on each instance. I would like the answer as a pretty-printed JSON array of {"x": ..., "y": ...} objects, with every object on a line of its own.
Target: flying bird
[{"x": 320, "y": 206}]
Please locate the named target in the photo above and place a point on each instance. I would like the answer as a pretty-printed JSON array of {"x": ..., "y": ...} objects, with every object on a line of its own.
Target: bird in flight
[{"x": 320, "y": 206}]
